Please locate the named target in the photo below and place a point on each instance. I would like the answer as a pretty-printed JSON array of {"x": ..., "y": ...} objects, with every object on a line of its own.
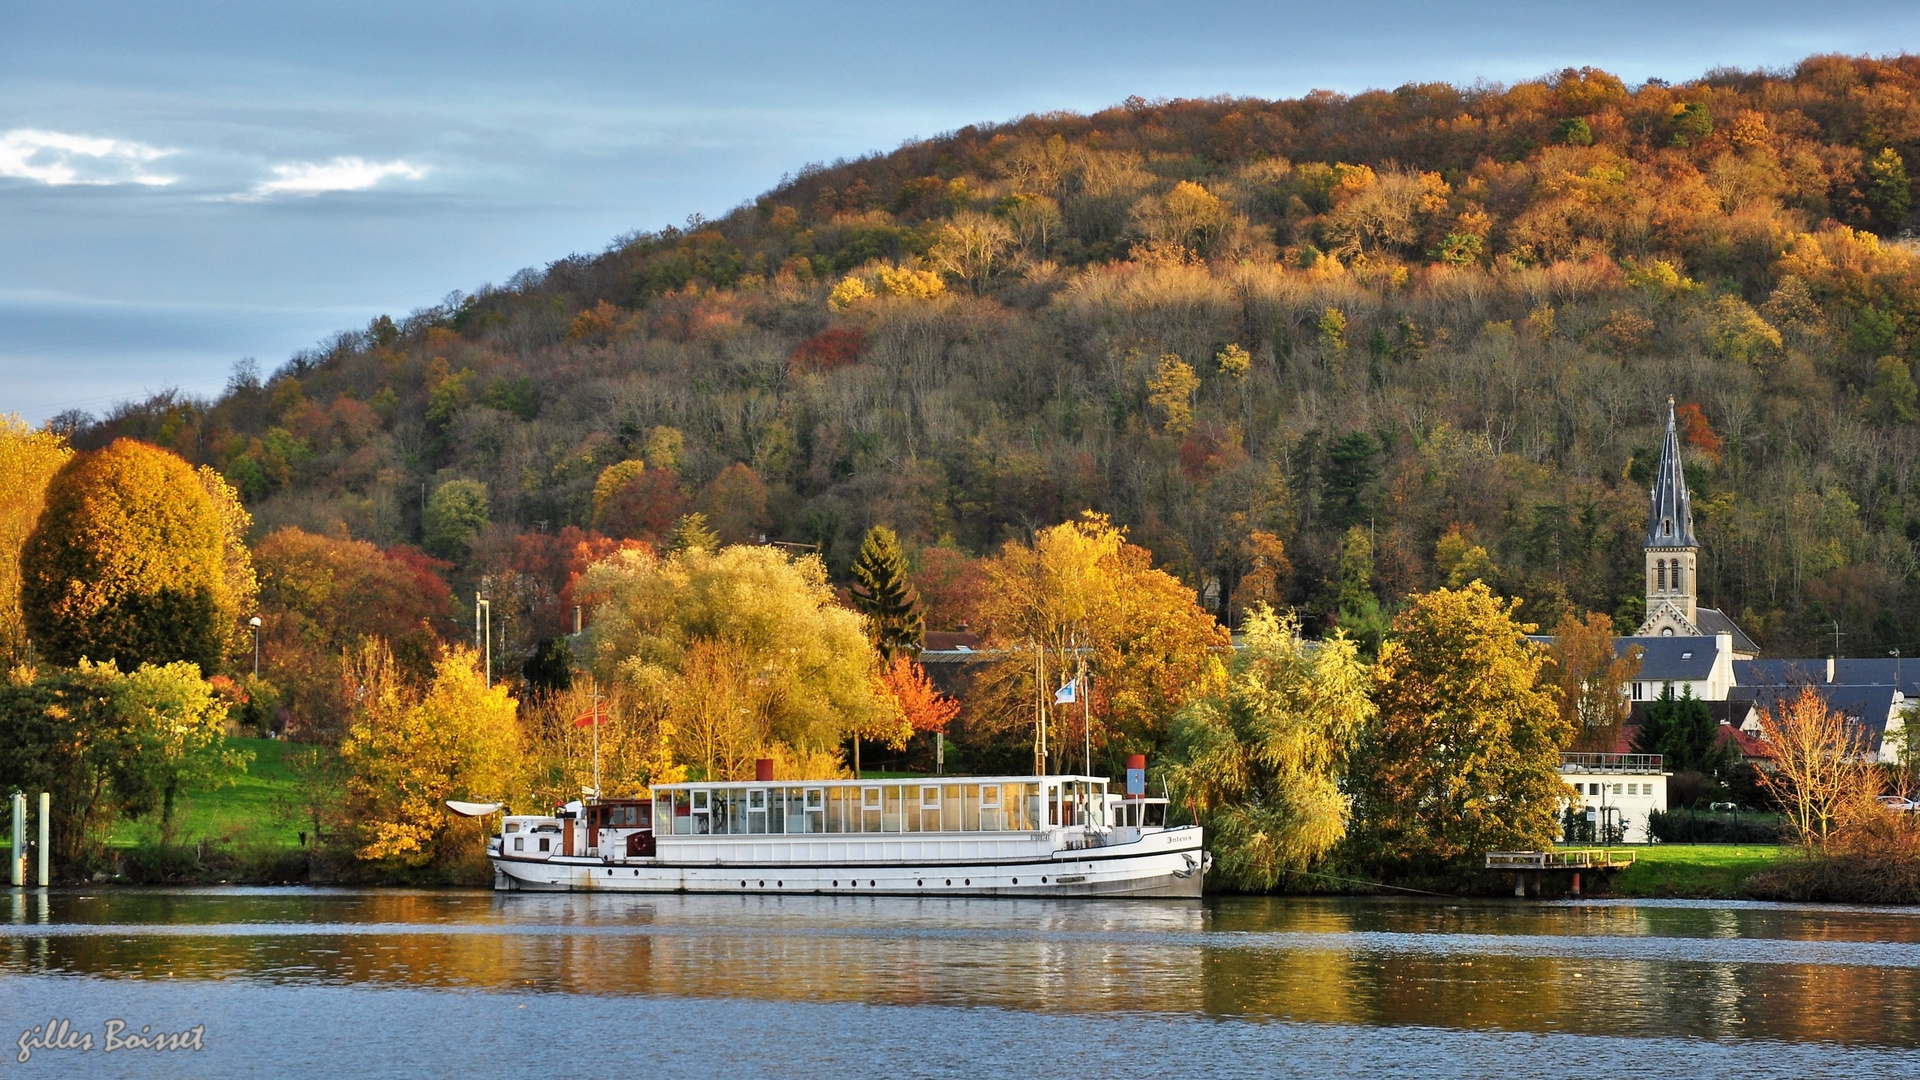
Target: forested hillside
[{"x": 1322, "y": 351}]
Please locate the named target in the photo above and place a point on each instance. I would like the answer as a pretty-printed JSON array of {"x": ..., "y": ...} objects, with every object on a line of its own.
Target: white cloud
[
  {"x": 56, "y": 159},
  {"x": 340, "y": 174}
]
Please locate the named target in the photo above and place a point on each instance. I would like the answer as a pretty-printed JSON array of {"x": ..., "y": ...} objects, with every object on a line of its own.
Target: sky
[{"x": 184, "y": 186}]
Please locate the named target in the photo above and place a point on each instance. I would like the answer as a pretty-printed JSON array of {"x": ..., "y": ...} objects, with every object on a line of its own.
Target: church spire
[{"x": 1670, "y": 517}]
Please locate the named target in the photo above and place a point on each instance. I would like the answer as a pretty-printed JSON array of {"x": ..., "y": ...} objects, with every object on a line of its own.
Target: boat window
[
  {"x": 519, "y": 843},
  {"x": 890, "y": 816},
  {"x": 953, "y": 819},
  {"x": 796, "y": 810},
  {"x": 870, "y": 815},
  {"x": 513, "y": 826},
  {"x": 546, "y": 843}
]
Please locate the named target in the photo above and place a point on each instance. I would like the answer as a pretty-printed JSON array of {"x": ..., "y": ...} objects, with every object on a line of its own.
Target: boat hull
[{"x": 1158, "y": 864}]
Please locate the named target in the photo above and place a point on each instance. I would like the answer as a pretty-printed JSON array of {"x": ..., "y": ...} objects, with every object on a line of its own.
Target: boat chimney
[
  {"x": 1136, "y": 776},
  {"x": 763, "y": 769}
]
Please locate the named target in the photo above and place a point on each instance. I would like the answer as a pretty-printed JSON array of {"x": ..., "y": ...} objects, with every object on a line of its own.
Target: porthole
[
  {"x": 949, "y": 882},
  {"x": 779, "y": 884},
  {"x": 1043, "y": 880},
  {"x": 836, "y": 884},
  {"x": 1016, "y": 881},
  {"x": 873, "y": 884},
  {"x": 763, "y": 884},
  {"x": 743, "y": 884},
  {"x": 917, "y": 883},
  {"x": 968, "y": 881}
]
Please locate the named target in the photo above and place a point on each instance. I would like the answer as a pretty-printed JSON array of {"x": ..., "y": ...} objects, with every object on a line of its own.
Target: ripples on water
[{"x": 473, "y": 984}]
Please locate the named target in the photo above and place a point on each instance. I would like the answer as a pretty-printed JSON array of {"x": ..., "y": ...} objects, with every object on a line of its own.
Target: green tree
[
  {"x": 1893, "y": 398},
  {"x": 1347, "y": 478},
  {"x": 883, "y": 594},
  {"x": 1461, "y": 561},
  {"x": 690, "y": 533},
  {"x": 1263, "y": 764},
  {"x": 1356, "y": 605},
  {"x": 1683, "y": 730},
  {"x": 1464, "y": 755},
  {"x": 178, "y": 735},
  {"x": 1574, "y": 131},
  {"x": 134, "y": 559},
  {"x": 1888, "y": 190},
  {"x": 1691, "y": 123},
  {"x": 456, "y": 515}
]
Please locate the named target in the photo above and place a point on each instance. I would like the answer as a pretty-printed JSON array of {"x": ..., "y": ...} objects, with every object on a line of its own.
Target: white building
[{"x": 1617, "y": 792}]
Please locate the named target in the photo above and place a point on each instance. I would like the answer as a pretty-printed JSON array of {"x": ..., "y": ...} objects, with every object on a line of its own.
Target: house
[{"x": 1617, "y": 792}]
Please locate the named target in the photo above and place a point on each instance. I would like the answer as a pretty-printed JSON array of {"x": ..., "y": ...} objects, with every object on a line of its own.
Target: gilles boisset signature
[{"x": 59, "y": 1034}]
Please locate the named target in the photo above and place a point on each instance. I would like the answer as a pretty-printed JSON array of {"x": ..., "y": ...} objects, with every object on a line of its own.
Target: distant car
[
  {"x": 1896, "y": 802},
  {"x": 1723, "y": 807}
]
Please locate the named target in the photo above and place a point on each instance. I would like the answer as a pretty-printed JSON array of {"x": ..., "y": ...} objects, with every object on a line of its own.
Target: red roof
[
  {"x": 1751, "y": 746},
  {"x": 948, "y": 641}
]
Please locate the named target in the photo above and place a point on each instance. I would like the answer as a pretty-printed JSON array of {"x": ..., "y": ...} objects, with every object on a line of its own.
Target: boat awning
[{"x": 473, "y": 809}]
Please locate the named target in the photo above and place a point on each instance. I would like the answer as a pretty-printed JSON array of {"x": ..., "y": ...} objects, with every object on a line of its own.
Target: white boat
[{"x": 937, "y": 836}]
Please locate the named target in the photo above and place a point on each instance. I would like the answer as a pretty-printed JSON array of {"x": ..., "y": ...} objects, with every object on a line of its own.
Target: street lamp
[
  {"x": 480, "y": 641},
  {"x": 255, "y": 623}
]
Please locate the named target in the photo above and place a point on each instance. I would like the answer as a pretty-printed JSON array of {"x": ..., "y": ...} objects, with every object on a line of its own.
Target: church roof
[
  {"x": 1670, "y": 514},
  {"x": 1671, "y": 659}
]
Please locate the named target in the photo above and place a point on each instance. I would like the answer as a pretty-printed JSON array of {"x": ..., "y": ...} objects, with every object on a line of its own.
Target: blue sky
[{"x": 184, "y": 185}]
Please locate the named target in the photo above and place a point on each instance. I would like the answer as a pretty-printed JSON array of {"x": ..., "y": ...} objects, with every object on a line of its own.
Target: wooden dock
[{"x": 1527, "y": 867}]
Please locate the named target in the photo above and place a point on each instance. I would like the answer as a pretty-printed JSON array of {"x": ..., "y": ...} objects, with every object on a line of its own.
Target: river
[{"x": 349, "y": 984}]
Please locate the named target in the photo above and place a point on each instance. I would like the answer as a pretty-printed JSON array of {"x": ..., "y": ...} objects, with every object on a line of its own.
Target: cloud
[
  {"x": 56, "y": 159},
  {"x": 340, "y": 174}
]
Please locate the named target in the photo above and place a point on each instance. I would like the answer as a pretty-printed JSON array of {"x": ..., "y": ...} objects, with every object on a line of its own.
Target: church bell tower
[{"x": 1671, "y": 551}]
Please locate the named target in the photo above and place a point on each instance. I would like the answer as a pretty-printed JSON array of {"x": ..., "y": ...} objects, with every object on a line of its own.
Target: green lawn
[
  {"x": 245, "y": 813},
  {"x": 1716, "y": 871}
]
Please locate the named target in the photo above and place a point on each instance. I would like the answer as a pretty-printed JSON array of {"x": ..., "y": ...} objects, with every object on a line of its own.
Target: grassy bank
[
  {"x": 1706, "y": 871},
  {"x": 247, "y": 814}
]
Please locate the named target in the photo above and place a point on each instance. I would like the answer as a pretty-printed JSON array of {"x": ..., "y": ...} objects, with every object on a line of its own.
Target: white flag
[{"x": 1065, "y": 695}]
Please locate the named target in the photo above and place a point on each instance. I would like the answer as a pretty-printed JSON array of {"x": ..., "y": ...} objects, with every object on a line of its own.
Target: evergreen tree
[
  {"x": 884, "y": 596},
  {"x": 1682, "y": 729}
]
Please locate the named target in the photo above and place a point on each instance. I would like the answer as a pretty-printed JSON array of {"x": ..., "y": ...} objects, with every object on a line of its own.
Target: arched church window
[
  {"x": 1676, "y": 576},
  {"x": 1662, "y": 564}
]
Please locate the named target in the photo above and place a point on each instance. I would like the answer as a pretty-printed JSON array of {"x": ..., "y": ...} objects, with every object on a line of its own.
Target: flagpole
[
  {"x": 1086, "y": 713},
  {"x": 596, "y": 741}
]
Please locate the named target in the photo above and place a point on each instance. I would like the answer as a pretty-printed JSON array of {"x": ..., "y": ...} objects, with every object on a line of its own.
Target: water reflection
[{"x": 1742, "y": 971}]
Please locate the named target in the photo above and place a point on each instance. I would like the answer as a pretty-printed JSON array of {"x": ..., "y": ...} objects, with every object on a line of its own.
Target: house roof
[
  {"x": 951, "y": 641},
  {"x": 1670, "y": 511},
  {"x": 1847, "y": 671},
  {"x": 1750, "y": 746},
  {"x": 1867, "y": 706},
  {"x": 1672, "y": 659},
  {"x": 1715, "y": 621}
]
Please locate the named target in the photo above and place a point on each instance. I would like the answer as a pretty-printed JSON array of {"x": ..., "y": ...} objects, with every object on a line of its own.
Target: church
[{"x": 1688, "y": 647}]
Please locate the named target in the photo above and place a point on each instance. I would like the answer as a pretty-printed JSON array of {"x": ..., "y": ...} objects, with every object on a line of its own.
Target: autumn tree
[
  {"x": 1817, "y": 776},
  {"x": 1464, "y": 755},
  {"x": 922, "y": 703},
  {"x": 1263, "y": 763},
  {"x": 736, "y": 504},
  {"x": 137, "y": 558},
  {"x": 409, "y": 750},
  {"x": 949, "y": 583},
  {"x": 883, "y": 593},
  {"x": 321, "y": 596},
  {"x": 747, "y": 636},
  {"x": 1081, "y": 590},
  {"x": 1591, "y": 678},
  {"x": 28, "y": 460},
  {"x": 1267, "y": 571},
  {"x": 1170, "y": 391}
]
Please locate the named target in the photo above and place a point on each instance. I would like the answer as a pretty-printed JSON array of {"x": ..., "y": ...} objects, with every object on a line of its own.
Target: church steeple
[
  {"x": 1670, "y": 519},
  {"x": 1671, "y": 550}
]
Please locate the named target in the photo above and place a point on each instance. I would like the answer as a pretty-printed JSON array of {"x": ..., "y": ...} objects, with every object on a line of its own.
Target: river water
[{"x": 358, "y": 984}]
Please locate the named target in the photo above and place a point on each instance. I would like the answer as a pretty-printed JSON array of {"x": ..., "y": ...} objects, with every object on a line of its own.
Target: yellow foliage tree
[
  {"x": 408, "y": 752},
  {"x": 612, "y": 479},
  {"x": 910, "y": 284},
  {"x": 1591, "y": 679},
  {"x": 738, "y": 650},
  {"x": 1170, "y": 390},
  {"x": 28, "y": 460},
  {"x": 1148, "y": 646},
  {"x": 1264, "y": 763},
  {"x": 1464, "y": 755}
]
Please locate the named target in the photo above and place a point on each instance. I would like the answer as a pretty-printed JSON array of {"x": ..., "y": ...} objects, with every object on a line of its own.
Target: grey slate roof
[
  {"x": 1847, "y": 671},
  {"x": 1672, "y": 659},
  {"x": 1670, "y": 514},
  {"x": 1714, "y": 621},
  {"x": 1867, "y": 706}
]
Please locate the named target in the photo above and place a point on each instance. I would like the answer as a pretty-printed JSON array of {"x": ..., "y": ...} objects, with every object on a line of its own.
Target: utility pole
[
  {"x": 1837, "y": 635},
  {"x": 255, "y": 623},
  {"x": 17, "y": 854},
  {"x": 46, "y": 838}
]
